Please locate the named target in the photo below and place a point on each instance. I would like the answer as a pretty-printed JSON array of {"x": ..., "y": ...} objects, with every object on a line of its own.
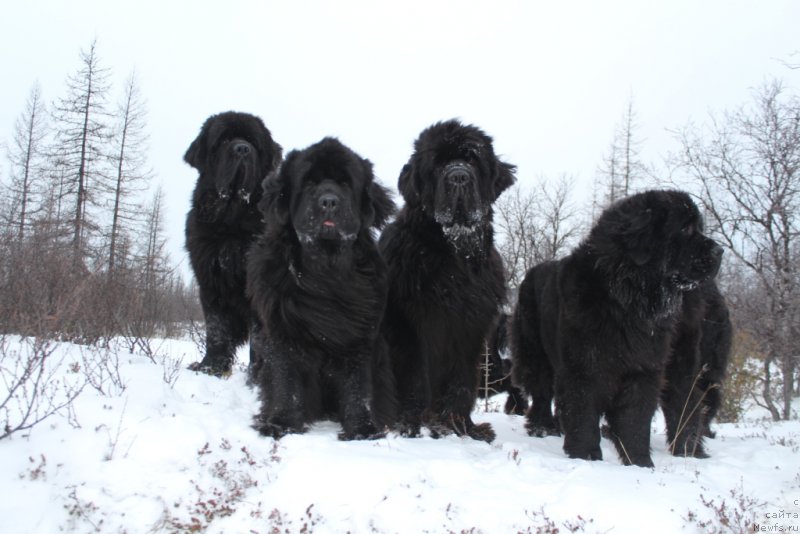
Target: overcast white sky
[{"x": 548, "y": 80}]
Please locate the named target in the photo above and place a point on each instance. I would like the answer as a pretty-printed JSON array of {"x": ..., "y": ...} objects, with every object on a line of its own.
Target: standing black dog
[
  {"x": 446, "y": 281},
  {"x": 318, "y": 286},
  {"x": 233, "y": 153},
  {"x": 691, "y": 395},
  {"x": 594, "y": 329}
]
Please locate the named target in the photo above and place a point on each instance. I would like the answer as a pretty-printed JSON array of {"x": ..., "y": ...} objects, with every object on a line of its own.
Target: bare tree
[
  {"x": 154, "y": 260},
  {"x": 515, "y": 222},
  {"x": 535, "y": 226},
  {"x": 560, "y": 225},
  {"x": 151, "y": 306},
  {"x": 26, "y": 156},
  {"x": 622, "y": 167},
  {"x": 132, "y": 176},
  {"x": 81, "y": 139},
  {"x": 747, "y": 164}
]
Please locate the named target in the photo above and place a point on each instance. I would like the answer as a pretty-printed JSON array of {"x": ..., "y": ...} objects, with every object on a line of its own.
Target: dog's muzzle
[{"x": 458, "y": 174}]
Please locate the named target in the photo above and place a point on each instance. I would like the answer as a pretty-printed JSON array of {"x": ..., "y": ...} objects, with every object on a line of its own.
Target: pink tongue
[{"x": 329, "y": 224}]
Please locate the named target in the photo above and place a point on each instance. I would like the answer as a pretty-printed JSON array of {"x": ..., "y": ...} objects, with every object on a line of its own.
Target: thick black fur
[
  {"x": 715, "y": 349},
  {"x": 692, "y": 390},
  {"x": 233, "y": 153},
  {"x": 499, "y": 361},
  {"x": 446, "y": 281},
  {"x": 318, "y": 286},
  {"x": 594, "y": 330}
]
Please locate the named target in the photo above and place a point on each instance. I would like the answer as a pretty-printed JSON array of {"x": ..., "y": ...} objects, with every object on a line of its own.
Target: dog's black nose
[
  {"x": 458, "y": 177},
  {"x": 716, "y": 252},
  {"x": 458, "y": 174},
  {"x": 241, "y": 149},
  {"x": 328, "y": 202}
]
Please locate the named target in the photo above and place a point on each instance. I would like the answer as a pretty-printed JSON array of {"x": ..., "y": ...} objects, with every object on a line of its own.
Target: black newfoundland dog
[
  {"x": 233, "y": 153},
  {"x": 318, "y": 285},
  {"x": 692, "y": 391},
  {"x": 595, "y": 328},
  {"x": 446, "y": 281}
]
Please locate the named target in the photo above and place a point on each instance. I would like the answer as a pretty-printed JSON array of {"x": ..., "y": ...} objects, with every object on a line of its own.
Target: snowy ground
[{"x": 163, "y": 452}]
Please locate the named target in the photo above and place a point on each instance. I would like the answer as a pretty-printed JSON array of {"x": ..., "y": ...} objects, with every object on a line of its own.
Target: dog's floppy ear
[
  {"x": 376, "y": 202},
  {"x": 627, "y": 229},
  {"x": 503, "y": 177},
  {"x": 380, "y": 205},
  {"x": 408, "y": 184},
  {"x": 276, "y": 188},
  {"x": 277, "y": 156},
  {"x": 198, "y": 151}
]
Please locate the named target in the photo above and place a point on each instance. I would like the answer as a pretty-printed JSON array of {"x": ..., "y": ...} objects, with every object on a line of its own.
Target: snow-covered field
[{"x": 164, "y": 449}]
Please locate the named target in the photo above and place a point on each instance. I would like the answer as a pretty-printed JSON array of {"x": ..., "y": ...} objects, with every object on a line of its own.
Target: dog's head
[
  {"x": 660, "y": 232},
  {"x": 327, "y": 194},
  {"x": 233, "y": 152},
  {"x": 454, "y": 176}
]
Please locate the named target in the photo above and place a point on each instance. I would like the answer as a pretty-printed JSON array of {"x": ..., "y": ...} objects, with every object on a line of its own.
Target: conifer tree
[
  {"x": 131, "y": 174},
  {"x": 81, "y": 142},
  {"x": 26, "y": 156}
]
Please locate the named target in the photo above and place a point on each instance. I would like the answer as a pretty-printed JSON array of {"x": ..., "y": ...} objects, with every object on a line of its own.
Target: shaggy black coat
[
  {"x": 692, "y": 391},
  {"x": 594, "y": 330},
  {"x": 233, "y": 153},
  {"x": 446, "y": 280},
  {"x": 318, "y": 285}
]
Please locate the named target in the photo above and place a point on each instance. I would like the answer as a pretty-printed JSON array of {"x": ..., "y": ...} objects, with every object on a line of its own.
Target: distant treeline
[{"x": 82, "y": 245}]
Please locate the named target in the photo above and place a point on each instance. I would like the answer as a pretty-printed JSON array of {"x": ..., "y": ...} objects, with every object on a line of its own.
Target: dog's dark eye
[{"x": 688, "y": 230}]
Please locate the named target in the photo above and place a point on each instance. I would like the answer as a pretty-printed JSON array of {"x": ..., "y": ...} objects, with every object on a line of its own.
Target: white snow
[{"x": 155, "y": 457}]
